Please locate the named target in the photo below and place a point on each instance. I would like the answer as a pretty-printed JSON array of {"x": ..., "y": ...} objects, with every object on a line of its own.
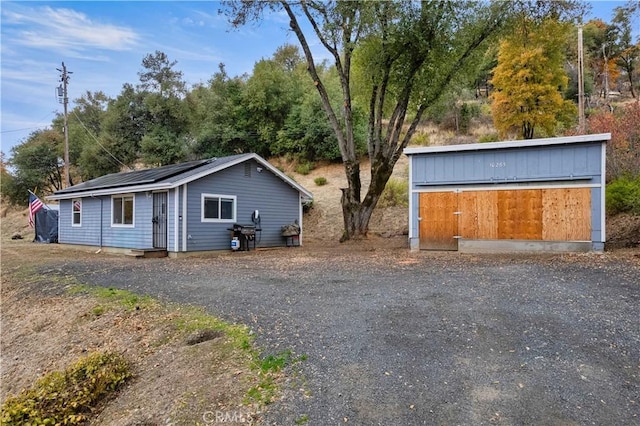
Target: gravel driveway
[{"x": 399, "y": 338}]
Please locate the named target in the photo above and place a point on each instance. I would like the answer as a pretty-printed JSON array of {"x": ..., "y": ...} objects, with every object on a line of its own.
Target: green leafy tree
[
  {"x": 85, "y": 125},
  {"x": 414, "y": 51},
  {"x": 529, "y": 81},
  {"x": 307, "y": 134},
  {"x": 161, "y": 147},
  {"x": 117, "y": 145},
  {"x": 11, "y": 192},
  {"x": 270, "y": 92},
  {"x": 37, "y": 162},
  {"x": 159, "y": 76},
  {"x": 217, "y": 118},
  {"x": 163, "y": 91}
]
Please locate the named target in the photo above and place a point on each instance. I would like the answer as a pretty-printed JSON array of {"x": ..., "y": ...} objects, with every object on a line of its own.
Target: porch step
[{"x": 147, "y": 253}]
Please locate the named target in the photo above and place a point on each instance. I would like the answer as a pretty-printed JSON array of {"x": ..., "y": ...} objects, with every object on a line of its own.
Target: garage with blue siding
[
  {"x": 183, "y": 208},
  {"x": 528, "y": 195}
]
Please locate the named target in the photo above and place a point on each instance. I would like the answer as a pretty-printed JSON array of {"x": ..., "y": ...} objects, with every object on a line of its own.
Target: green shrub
[
  {"x": 468, "y": 111},
  {"x": 304, "y": 168},
  {"x": 491, "y": 137},
  {"x": 320, "y": 181},
  {"x": 396, "y": 193},
  {"x": 421, "y": 139},
  {"x": 67, "y": 397},
  {"x": 623, "y": 195}
]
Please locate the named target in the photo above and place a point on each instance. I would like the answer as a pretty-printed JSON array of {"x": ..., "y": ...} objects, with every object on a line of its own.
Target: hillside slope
[{"x": 324, "y": 222}]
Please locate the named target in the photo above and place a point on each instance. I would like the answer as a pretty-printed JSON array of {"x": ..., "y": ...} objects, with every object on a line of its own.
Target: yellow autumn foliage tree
[{"x": 529, "y": 81}]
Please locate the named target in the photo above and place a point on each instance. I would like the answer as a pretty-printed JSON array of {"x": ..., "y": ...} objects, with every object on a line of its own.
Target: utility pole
[
  {"x": 62, "y": 92},
  {"x": 605, "y": 71},
  {"x": 581, "y": 120}
]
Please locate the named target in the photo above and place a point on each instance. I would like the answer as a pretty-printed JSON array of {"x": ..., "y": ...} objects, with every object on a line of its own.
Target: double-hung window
[
  {"x": 122, "y": 208},
  {"x": 76, "y": 204},
  {"x": 218, "y": 208}
]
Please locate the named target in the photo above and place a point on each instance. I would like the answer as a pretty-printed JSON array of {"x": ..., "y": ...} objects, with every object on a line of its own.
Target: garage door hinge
[
  {"x": 458, "y": 213},
  {"x": 457, "y": 237}
]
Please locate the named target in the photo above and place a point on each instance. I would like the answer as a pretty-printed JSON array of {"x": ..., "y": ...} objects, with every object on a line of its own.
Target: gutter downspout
[
  {"x": 184, "y": 217},
  {"x": 177, "y": 218},
  {"x": 101, "y": 217}
]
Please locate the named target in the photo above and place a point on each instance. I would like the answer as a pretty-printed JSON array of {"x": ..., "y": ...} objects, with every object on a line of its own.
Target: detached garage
[{"x": 532, "y": 195}]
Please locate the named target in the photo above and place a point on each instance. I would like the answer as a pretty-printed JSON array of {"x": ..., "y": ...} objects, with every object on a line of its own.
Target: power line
[
  {"x": 37, "y": 126},
  {"x": 22, "y": 130},
  {"x": 98, "y": 142}
]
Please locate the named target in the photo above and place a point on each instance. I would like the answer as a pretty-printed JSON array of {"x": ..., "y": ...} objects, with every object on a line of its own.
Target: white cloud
[
  {"x": 211, "y": 20},
  {"x": 65, "y": 30}
]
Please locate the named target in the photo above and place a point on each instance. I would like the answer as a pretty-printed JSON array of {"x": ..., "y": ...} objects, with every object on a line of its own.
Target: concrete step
[{"x": 148, "y": 253}]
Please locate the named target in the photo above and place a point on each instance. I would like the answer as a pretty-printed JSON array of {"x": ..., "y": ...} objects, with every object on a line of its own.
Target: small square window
[
  {"x": 218, "y": 208},
  {"x": 122, "y": 210}
]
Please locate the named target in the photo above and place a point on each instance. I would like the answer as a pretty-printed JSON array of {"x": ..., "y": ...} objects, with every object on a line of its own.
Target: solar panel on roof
[{"x": 136, "y": 177}]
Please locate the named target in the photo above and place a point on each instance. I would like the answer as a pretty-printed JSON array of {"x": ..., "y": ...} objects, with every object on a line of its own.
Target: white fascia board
[
  {"x": 242, "y": 159},
  {"x": 600, "y": 137},
  {"x": 207, "y": 172}
]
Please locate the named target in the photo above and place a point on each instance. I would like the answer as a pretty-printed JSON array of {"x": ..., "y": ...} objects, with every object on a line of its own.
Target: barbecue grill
[{"x": 244, "y": 234}]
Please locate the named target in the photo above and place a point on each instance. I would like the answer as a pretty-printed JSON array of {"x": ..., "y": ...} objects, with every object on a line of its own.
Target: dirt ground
[
  {"x": 43, "y": 328},
  {"x": 398, "y": 337}
]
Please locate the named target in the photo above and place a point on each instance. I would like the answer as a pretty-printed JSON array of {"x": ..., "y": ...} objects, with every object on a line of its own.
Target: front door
[{"x": 159, "y": 220}]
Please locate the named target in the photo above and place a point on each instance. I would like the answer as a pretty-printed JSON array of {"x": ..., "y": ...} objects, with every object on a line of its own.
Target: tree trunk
[
  {"x": 357, "y": 214},
  {"x": 527, "y": 130}
]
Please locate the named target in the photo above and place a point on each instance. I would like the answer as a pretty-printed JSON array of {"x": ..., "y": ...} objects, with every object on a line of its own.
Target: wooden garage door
[
  {"x": 566, "y": 215},
  {"x": 525, "y": 214},
  {"x": 438, "y": 220}
]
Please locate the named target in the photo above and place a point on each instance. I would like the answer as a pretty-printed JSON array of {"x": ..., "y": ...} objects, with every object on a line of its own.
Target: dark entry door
[{"x": 159, "y": 219}]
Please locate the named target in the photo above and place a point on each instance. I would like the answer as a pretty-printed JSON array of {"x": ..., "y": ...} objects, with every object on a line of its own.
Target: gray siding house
[
  {"x": 188, "y": 207},
  {"x": 532, "y": 195}
]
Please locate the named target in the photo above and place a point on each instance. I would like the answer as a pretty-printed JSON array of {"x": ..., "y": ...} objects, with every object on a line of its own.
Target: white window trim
[
  {"x": 204, "y": 196},
  {"x": 73, "y": 213},
  {"x": 124, "y": 225}
]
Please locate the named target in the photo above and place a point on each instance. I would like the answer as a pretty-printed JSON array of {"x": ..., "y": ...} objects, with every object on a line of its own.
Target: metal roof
[
  {"x": 601, "y": 137},
  {"x": 164, "y": 177}
]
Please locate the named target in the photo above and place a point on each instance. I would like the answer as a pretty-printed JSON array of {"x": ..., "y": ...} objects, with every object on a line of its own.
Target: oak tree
[
  {"x": 38, "y": 162},
  {"x": 414, "y": 51}
]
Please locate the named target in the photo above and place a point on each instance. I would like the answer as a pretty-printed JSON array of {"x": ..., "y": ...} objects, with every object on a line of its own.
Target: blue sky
[{"x": 103, "y": 44}]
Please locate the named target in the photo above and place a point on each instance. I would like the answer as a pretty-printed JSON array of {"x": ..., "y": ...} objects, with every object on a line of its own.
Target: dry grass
[{"x": 324, "y": 223}]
